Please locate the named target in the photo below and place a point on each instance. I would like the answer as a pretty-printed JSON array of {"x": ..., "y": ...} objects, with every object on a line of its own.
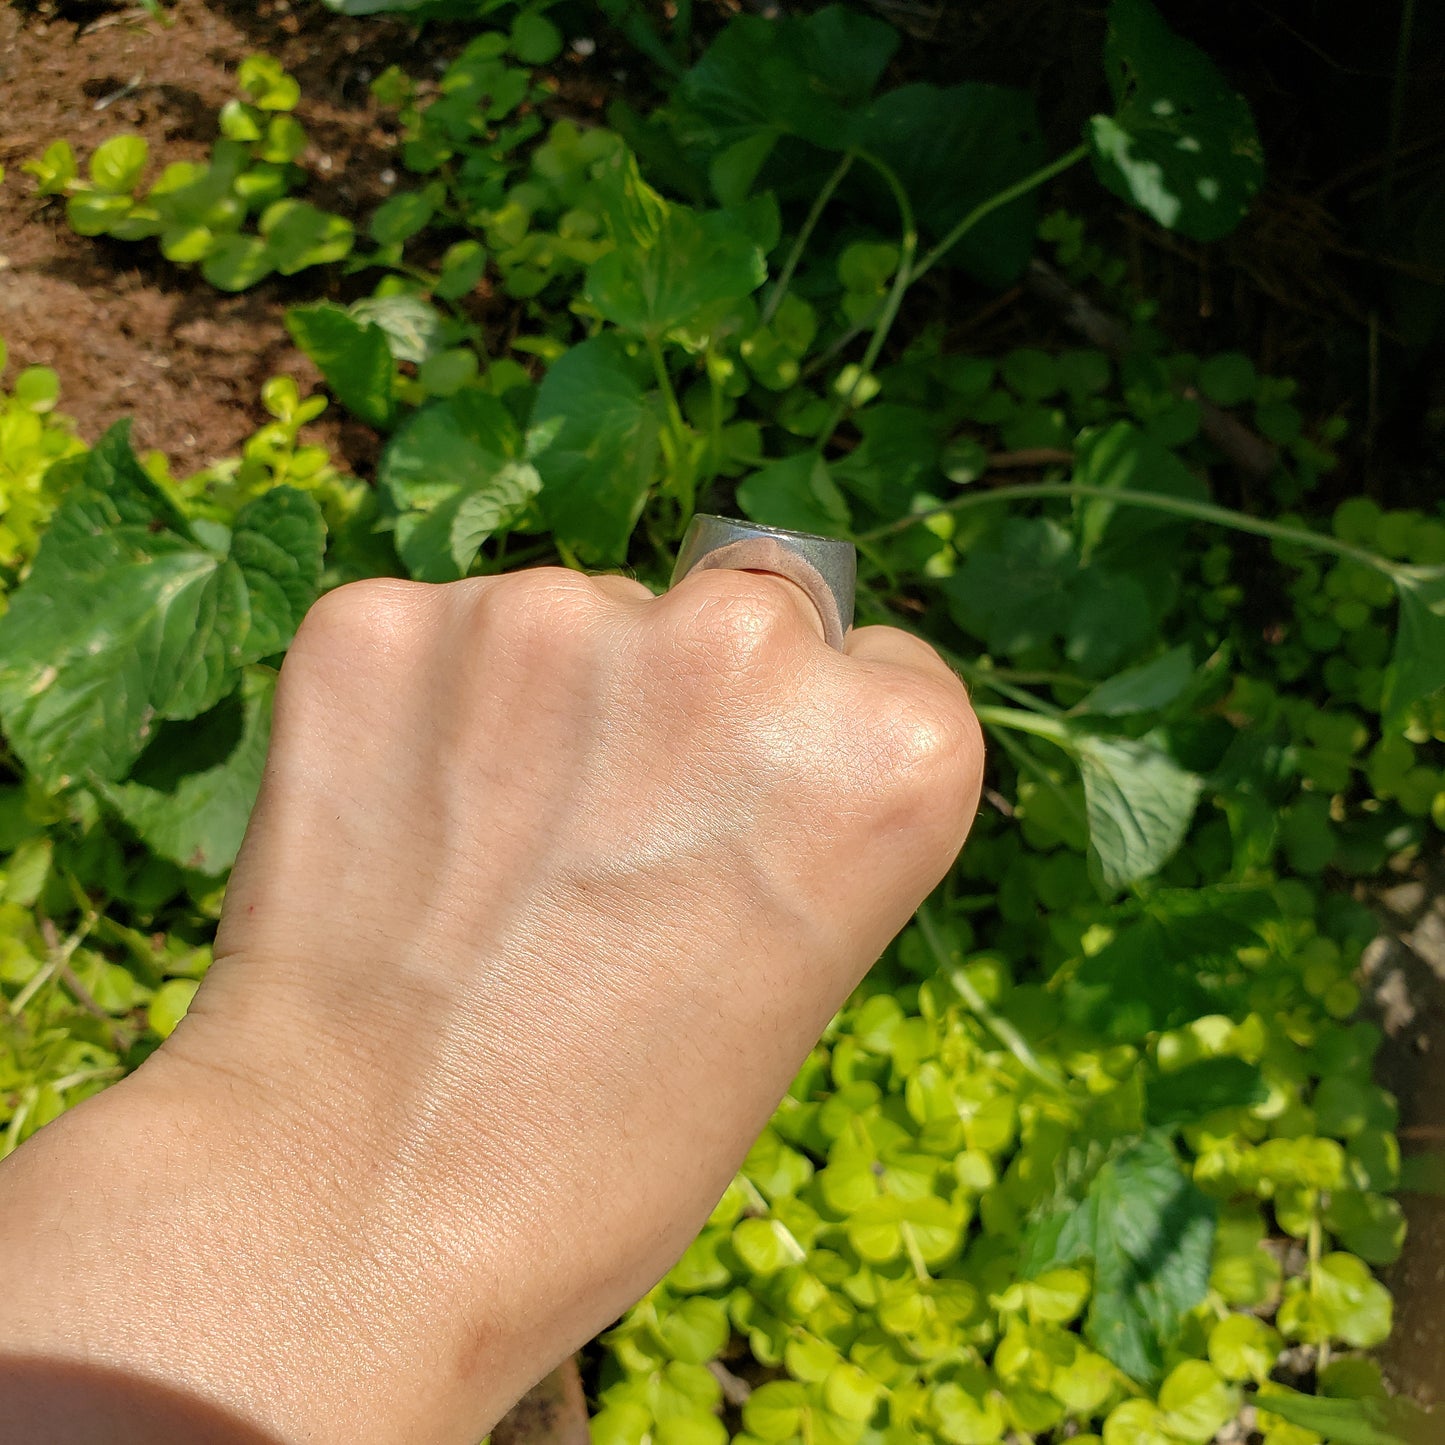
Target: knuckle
[
  {"x": 736, "y": 622},
  {"x": 538, "y": 603},
  {"x": 931, "y": 747},
  {"x": 360, "y": 615}
]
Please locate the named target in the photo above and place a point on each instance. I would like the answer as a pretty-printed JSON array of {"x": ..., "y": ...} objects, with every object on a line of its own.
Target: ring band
[{"x": 825, "y": 568}]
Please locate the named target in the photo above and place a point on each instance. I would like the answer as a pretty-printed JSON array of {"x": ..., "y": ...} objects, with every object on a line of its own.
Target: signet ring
[{"x": 825, "y": 568}]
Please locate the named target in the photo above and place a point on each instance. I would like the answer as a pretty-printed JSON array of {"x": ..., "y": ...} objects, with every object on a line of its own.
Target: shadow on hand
[{"x": 68, "y": 1402}]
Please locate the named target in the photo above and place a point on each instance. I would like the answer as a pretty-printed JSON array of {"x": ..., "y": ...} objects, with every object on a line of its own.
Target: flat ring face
[{"x": 825, "y": 568}]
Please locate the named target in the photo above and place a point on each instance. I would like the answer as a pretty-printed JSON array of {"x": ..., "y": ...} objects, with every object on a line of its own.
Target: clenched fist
[{"x": 550, "y": 887}]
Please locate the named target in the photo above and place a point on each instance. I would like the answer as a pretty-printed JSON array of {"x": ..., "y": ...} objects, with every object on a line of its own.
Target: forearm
[{"x": 176, "y": 1265}]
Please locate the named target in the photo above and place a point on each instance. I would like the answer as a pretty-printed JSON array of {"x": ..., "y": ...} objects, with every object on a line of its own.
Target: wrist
[{"x": 229, "y": 1255}]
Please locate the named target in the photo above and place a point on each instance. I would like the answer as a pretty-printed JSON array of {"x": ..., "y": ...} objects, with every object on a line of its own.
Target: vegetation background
[{"x": 1114, "y": 337}]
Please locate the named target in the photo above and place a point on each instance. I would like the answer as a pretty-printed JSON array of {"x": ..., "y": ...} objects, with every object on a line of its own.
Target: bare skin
[{"x": 550, "y": 888}]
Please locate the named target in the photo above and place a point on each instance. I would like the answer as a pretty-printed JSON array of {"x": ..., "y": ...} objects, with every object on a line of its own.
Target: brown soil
[
  {"x": 1405, "y": 973},
  {"x": 129, "y": 333}
]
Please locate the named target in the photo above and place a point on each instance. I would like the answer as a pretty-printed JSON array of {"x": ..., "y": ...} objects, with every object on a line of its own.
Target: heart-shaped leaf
[{"x": 1181, "y": 144}]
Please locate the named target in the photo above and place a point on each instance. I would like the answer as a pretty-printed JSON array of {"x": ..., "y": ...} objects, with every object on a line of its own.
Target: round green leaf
[
  {"x": 37, "y": 388},
  {"x": 1243, "y": 1347},
  {"x": 238, "y": 122},
  {"x": 765, "y": 1246},
  {"x": 965, "y": 1416},
  {"x": 117, "y": 164},
  {"x": 689, "y": 1430},
  {"x": 266, "y": 84},
  {"x": 237, "y": 262},
  {"x": 1136, "y": 1422},
  {"x": 850, "y": 1393},
  {"x": 462, "y": 267},
  {"x": 774, "y": 1411},
  {"x": 1355, "y": 1306},
  {"x": 535, "y": 39},
  {"x": 1228, "y": 379},
  {"x": 1197, "y": 1402},
  {"x": 401, "y": 217},
  {"x": 186, "y": 245},
  {"x": 169, "y": 1004},
  {"x": 299, "y": 235},
  {"x": 94, "y": 213},
  {"x": 695, "y": 1331}
]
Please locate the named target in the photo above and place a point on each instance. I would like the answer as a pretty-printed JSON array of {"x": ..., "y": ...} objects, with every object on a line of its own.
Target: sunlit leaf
[{"x": 1181, "y": 144}]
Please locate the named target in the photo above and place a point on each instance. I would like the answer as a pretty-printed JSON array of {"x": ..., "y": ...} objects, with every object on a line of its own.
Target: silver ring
[{"x": 825, "y": 568}]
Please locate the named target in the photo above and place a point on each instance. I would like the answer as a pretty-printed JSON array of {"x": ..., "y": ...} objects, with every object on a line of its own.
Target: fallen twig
[{"x": 1249, "y": 451}]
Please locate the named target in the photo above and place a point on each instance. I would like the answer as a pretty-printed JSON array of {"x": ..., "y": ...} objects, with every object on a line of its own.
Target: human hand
[{"x": 550, "y": 888}]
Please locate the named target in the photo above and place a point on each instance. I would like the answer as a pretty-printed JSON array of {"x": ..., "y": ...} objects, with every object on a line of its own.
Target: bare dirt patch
[{"x": 129, "y": 333}]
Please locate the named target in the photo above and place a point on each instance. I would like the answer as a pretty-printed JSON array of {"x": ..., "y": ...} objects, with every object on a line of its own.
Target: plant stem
[
  {"x": 810, "y": 224},
  {"x": 902, "y": 280},
  {"x": 974, "y": 677},
  {"x": 996, "y": 201},
  {"x": 1025, "y": 762},
  {"x": 684, "y": 483},
  {"x": 909, "y": 272},
  {"x": 980, "y": 1007},
  {"x": 664, "y": 385},
  {"x": 1151, "y": 501},
  {"x": 714, "y": 419},
  {"x": 1034, "y": 723}
]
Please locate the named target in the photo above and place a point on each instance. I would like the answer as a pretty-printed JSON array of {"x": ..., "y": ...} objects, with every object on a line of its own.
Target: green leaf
[
  {"x": 695, "y": 1331},
  {"x": 414, "y": 327},
  {"x": 285, "y": 141},
  {"x": 402, "y": 216},
  {"x": 191, "y": 792},
  {"x": 1181, "y": 144},
  {"x": 1197, "y": 1402},
  {"x": 456, "y": 473},
  {"x": 1139, "y": 803},
  {"x": 126, "y": 621},
  {"x": 1353, "y": 1422},
  {"x": 1228, "y": 379},
  {"x": 967, "y": 1408},
  {"x": 266, "y": 84},
  {"x": 1353, "y": 1305},
  {"x": 238, "y": 121},
  {"x": 118, "y": 163},
  {"x": 1418, "y": 667},
  {"x": 353, "y": 356},
  {"x": 169, "y": 1003},
  {"x": 670, "y": 263},
  {"x": 1149, "y": 1232},
  {"x": 236, "y": 263},
  {"x": 462, "y": 267},
  {"x": 299, "y": 235},
  {"x": 1123, "y": 458},
  {"x": 1146, "y": 688},
  {"x": 785, "y": 76},
  {"x": 953, "y": 149},
  {"x": 94, "y": 213},
  {"x": 798, "y": 494},
  {"x": 54, "y": 169},
  {"x": 766, "y": 1247},
  {"x": 775, "y": 1411},
  {"x": 535, "y": 39},
  {"x": 1243, "y": 1347},
  {"x": 1015, "y": 591},
  {"x": 1198, "y": 1089},
  {"x": 186, "y": 245},
  {"x": 600, "y": 460}
]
